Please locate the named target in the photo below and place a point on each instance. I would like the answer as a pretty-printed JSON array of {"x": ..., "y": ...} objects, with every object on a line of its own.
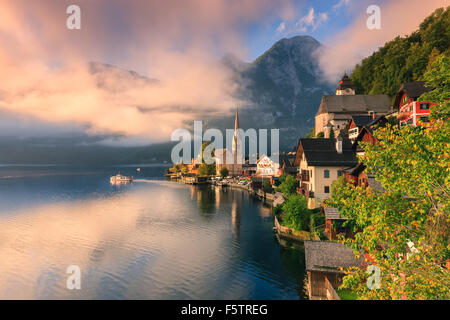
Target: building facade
[
  {"x": 265, "y": 167},
  {"x": 411, "y": 111},
  {"x": 337, "y": 110},
  {"x": 321, "y": 161},
  {"x": 230, "y": 160}
]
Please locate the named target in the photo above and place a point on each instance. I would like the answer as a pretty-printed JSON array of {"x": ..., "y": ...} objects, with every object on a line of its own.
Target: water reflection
[
  {"x": 155, "y": 240},
  {"x": 235, "y": 219}
]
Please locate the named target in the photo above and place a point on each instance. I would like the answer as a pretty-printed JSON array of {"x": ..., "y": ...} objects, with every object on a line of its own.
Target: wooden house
[
  {"x": 333, "y": 223},
  {"x": 323, "y": 262},
  {"x": 410, "y": 111}
]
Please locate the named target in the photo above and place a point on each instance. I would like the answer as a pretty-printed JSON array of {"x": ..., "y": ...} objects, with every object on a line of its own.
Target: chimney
[{"x": 339, "y": 140}]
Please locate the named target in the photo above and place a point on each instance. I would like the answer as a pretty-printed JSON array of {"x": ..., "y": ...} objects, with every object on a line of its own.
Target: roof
[
  {"x": 332, "y": 213},
  {"x": 374, "y": 184},
  {"x": 345, "y": 83},
  {"x": 415, "y": 89},
  {"x": 362, "y": 120},
  {"x": 286, "y": 159},
  {"x": 412, "y": 89},
  {"x": 327, "y": 256},
  {"x": 354, "y": 171},
  {"x": 322, "y": 152},
  {"x": 379, "y": 103}
]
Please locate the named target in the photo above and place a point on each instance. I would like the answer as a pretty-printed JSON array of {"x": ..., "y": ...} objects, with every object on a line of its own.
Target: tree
[
  {"x": 224, "y": 172},
  {"x": 438, "y": 77},
  {"x": 295, "y": 212},
  {"x": 320, "y": 135},
  {"x": 266, "y": 186},
  {"x": 331, "y": 133},
  {"x": 288, "y": 186},
  {"x": 206, "y": 169},
  {"x": 404, "y": 59},
  {"x": 311, "y": 133},
  {"x": 404, "y": 229}
]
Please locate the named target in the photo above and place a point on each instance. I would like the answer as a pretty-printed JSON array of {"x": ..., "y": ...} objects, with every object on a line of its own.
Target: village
[{"x": 307, "y": 174}]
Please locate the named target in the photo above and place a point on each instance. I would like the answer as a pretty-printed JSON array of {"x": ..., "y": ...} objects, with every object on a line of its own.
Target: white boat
[
  {"x": 138, "y": 169},
  {"x": 119, "y": 179}
]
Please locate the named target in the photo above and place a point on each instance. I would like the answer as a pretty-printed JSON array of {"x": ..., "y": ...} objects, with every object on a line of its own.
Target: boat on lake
[{"x": 120, "y": 179}]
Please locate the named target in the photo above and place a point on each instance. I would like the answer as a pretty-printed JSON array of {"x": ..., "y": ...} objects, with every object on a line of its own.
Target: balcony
[
  {"x": 304, "y": 191},
  {"x": 303, "y": 177}
]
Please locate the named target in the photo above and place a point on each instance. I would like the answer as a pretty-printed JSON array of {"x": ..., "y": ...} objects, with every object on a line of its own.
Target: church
[
  {"x": 335, "y": 111},
  {"x": 227, "y": 159}
]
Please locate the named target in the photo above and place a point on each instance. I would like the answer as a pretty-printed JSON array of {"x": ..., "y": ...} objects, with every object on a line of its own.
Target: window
[
  {"x": 327, "y": 189},
  {"x": 339, "y": 173},
  {"x": 424, "y": 119},
  {"x": 326, "y": 174},
  {"x": 424, "y": 106},
  {"x": 409, "y": 121}
]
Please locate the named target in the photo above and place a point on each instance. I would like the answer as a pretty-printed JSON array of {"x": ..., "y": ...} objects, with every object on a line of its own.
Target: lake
[{"x": 153, "y": 239}]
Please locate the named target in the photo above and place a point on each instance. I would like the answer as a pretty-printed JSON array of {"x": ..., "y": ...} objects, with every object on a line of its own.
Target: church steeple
[
  {"x": 236, "y": 121},
  {"x": 236, "y": 167},
  {"x": 236, "y": 131},
  {"x": 345, "y": 86}
]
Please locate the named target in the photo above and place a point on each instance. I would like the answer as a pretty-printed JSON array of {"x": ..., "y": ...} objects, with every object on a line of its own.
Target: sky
[
  {"x": 331, "y": 16},
  {"x": 49, "y": 90}
]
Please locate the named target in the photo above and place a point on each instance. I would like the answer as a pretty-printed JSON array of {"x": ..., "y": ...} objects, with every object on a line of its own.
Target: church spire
[{"x": 236, "y": 121}]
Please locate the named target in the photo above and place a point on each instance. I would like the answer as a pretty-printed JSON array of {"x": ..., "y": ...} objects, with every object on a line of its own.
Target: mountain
[{"x": 281, "y": 89}]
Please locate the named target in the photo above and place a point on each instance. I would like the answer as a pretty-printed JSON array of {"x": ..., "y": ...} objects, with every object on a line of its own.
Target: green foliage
[
  {"x": 224, "y": 172},
  {"x": 338, "y": 187},
  {"x": 332, "y": 134},
  {"x": 346, "y": 294},
  {"x": 311, "y": 133},
  {"x": 178, "y": 167},
  {"x": 404, "y": 59},
  {"x": 296, "y": 214},
  {"x": 393, "y": 121},
  {"x": 206, "y": 169},
  {"x": 413, "y": 166},
  {"x": 438, "y": 77},
  {"x": 266, "y": 186},
  {"x": 320, "y": 135},
  {"x": 288, "y": 186}
]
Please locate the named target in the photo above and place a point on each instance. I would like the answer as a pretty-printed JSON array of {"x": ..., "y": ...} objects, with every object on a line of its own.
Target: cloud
[
  {"x": 344, "y": 50},
  {"x": 341, "y": 3},
  {"x": 310, "y": 21},
  {"x": 281, "y": 27},
  {"x": 176, "y": 42}
]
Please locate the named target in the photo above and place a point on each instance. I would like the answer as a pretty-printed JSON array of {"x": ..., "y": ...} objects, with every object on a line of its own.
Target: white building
[{"x": 266, "y": 167}]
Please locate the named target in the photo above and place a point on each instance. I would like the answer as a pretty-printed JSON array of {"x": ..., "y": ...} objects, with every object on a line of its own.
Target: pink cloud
[{"x": 347, "y": 48}]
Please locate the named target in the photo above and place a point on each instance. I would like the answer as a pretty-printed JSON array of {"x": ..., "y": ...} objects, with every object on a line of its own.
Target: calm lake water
[{"x": 153, "y": 239}]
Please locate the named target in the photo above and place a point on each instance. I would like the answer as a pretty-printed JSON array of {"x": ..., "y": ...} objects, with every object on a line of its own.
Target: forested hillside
[{"x": 404, "y": 59}]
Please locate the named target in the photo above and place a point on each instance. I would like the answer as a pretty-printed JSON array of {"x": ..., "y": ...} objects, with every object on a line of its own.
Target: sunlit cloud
[
  {"x": 309, "y": 22},
  {"x": 177, "y": 43},
  {"x": 347, "y": 48}
]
